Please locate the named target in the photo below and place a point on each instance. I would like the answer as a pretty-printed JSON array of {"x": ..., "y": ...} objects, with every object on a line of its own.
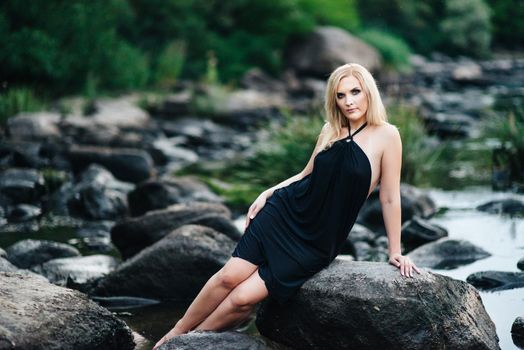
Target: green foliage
[
  {"x": 466, "y": 27},
  {"x": 393, "y": 49},
  {"x": 170, "y": 63},
  {"x": 508, "y": 130},
  {"x": 452, "y": 26},
  {"x": 58, "y": 44},
  {"x": 508, "y": 26},
  {"x": 339, "y": 13},
  {"x": 428, "y": 162},
  {"x": 283, "y": 155},
  {"x": 18, "y": 100}
]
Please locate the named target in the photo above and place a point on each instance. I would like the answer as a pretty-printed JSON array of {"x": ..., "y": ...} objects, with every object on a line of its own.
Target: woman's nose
[{"x": 349, "y": 101}]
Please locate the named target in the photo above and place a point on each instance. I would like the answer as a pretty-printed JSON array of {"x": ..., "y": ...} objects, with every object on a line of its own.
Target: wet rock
[
  {"x": 373, "y": 294},
  {"x": 326, "y": 48},
  {"x": 257, "y": 79},
  {"x": 414, "y": 202},
  {"x": 207, "y": 340},
  {"x": 176, "y": 267},
  {"x": 3, "y": 253},
  {"x": 23, "y": 212},
  {"x": 38, "y": 315},
  {"x": 34, "y": 126},
  {"x": 130, "y": 165},
  {"x": 447, "y": 254},
  {"x": 173, "y": 105},
  {"x": 30, "y": 252},
  {"x": 78, "y": 269},
  {"x": 97, "y": 236},
  {"x": 520, "y": 264},
  {"x": 496, "y": 280},
  {"x": 517, "y": 332},
  {"x": 131, "y": 235},
  {"x": 418, "y": 231},
  {"x": 159, "y": 194},
  {"x": 504, "y": 206},
  {"x": 97, "y": 196},
  {"x": 21, "y": 185}
]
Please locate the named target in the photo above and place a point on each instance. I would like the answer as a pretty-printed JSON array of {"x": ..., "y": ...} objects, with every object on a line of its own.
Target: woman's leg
[
  {"x": 212, "y": 294},
  {"x": 237, "y": 305}
]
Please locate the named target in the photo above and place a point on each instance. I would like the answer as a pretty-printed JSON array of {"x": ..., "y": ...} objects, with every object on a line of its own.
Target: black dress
[{"x": 303, "y": 226}]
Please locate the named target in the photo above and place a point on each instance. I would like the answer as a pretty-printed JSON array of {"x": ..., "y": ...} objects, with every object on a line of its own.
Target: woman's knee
[
  {"x": 227, "y": 278},
  {"x": 242, "y": 300}
]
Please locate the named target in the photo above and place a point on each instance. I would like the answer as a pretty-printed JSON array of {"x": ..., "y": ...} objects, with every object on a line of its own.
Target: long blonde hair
[{"x": 375, "y": 115}]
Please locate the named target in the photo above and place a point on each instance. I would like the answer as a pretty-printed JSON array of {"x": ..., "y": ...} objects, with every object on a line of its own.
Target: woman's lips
[{"x": 351, "y": 110}]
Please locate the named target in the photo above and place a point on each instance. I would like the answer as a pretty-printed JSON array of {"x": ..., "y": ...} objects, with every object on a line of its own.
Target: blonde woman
[{"x": 297, "y": 227}]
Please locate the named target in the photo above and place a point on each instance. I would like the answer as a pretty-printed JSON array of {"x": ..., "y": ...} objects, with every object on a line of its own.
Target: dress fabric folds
[{"x": 303, "y": 226}]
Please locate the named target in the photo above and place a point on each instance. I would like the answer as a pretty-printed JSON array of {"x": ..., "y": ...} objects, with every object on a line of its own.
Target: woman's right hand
[{"x": 257, "y": 205}]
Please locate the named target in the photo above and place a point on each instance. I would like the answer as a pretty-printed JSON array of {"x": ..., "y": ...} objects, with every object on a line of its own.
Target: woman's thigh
[
  {"x": 251, "y": 291},
  {"x": 235, "y": 271}
]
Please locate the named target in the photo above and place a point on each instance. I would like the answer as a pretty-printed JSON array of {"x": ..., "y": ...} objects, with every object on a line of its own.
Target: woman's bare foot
[{"x": 176, "y": 330}]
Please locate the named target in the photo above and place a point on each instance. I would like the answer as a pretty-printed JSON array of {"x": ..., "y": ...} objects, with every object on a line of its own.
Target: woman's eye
[
  {"x": 355, "y": 92},
  {"x": 340, "y": 95}
]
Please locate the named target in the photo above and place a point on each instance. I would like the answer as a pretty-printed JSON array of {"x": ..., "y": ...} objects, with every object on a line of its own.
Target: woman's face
[{"x": 351, "y": 99}]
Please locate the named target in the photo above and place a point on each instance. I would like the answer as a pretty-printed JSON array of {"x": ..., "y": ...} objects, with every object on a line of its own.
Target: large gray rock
[
  {"x": 78, "y": 270},
  {"x": 133, "y": 234},
  {"x": 506, "y": 206},
  {"x": 414, "y": 202},
  {"x": 447, "y": 254},
  {"x": 126, "y": 164},
  {"x": 418, "y": 231},
  {"x": 176, "y": 267},
  {"x": 33, "y": 126},
  {"x": 206, "y": 340},
  {"x": 326, "y": 48},
  {"x": 496, "y": 280},
  {"x": 364, "y": 305},
  {"x": 159, "y": 194},
  {"x": 22, "y": 185},
  {"x": 38, "y": 315},
  {"x": 30, "y": 252},
  {"x": 97, "y": 196},
  {"x": 517, "y": 332}
]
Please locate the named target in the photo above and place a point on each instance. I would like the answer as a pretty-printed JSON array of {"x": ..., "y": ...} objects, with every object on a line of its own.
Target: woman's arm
[{"x": 390, "y": 199}]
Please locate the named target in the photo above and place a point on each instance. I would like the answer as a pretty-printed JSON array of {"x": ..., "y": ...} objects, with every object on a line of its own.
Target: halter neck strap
[{"x": 356, "y": 132}]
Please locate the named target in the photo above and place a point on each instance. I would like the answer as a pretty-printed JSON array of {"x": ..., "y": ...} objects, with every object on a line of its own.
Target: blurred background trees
[{"x": 57, "y": 47}]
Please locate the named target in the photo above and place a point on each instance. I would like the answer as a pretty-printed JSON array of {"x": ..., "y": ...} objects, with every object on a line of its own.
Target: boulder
[
  {"x": 6, "y": 266},
  {"x": 208, "y": 340},
  {"x": 417, "y": 231},
  {"x": 517, "y": 332},
  {"x": 176, "y": 267},
  {"x": 326, "y": 48},
  {"x": 496, "y": 280},
  {"x": 76, "y": 270},
  {"x": 30, "y": 252},
  {"x": 21, "y": 185},
  {"x": 159, "y": 194},
  {"x": 505, "y": 206},
  {"x": 414, "y": 202},
  {"x": 520, "y": 264},
  {"x": 23, "y": 213},
  {"x": 366, "y": 305},
  {"x": 447, "y": 254},
  {"x": 96, "y": 196},
  {"x": 133, "y": 234},
  {"x": 126, "y": 164},
  {"x": 38, "y": 315},
  {"x": 31, "y": 126}
]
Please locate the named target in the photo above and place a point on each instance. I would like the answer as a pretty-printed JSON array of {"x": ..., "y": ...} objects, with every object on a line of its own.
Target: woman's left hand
[{"x": 404, "y": 263}]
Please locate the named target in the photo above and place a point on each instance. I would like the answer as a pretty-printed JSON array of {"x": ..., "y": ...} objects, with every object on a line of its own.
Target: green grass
[{"x": 18, "y": 100}]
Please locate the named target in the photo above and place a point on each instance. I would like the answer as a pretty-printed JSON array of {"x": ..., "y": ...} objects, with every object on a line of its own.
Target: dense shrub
[
  {"x": 466, "y": 28},
  {"x": 393, "y": 49},
  {"x": 508, "y": 26}
]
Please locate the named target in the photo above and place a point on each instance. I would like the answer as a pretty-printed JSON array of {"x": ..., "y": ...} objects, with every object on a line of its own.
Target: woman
[{"x": 308, "y": 216}]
